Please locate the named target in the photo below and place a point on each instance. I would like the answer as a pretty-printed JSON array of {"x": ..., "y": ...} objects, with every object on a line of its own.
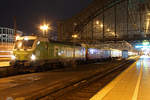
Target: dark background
[{"x": 31, "y": 13}]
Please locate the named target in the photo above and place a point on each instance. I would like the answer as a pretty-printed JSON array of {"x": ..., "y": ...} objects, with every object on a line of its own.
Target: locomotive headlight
[
  {"x": 33, "y": 57},
  {"x": 13, "y": 57}
]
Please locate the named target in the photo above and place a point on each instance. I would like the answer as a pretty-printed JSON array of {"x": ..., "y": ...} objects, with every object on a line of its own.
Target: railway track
[
  {"x": 6, "y": 71},
  {"x": 87, "y": 87}
]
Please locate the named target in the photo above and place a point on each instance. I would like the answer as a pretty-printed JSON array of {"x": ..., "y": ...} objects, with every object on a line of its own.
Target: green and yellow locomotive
[{"x": 37, "y": 51}]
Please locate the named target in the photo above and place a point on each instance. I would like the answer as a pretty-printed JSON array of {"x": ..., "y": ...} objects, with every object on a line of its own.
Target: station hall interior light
[
  {"x": 101, "y": 25},
  {"x": 108, "y": 30},
  {"x": 148, "y": 13},
  {"x": 97, "y": 22},
  {"x": 75, "y": 36}
]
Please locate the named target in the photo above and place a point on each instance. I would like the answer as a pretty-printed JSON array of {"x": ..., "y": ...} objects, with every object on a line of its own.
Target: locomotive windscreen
[{"x": 24, "y": 44}]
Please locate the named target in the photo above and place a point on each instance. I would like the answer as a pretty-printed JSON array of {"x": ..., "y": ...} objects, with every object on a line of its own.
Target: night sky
[{"x": 30, "y": 13}]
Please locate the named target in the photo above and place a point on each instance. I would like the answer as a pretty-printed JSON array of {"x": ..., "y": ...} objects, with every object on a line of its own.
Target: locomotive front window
[
  {"x": 28, "y": 44},
  {"x": 24, "y": 44},
  {"x": 18, "y": 44}
]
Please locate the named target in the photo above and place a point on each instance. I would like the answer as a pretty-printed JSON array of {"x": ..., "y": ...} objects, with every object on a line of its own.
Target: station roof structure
[{"x": 108, "y": 20}]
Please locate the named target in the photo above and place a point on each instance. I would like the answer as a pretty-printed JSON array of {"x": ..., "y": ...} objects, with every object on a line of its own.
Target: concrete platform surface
[{"x": 132, "y": 84}]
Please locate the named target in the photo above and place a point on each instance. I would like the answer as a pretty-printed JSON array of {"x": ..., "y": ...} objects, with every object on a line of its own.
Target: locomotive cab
[{"x": 23, "y": 50}]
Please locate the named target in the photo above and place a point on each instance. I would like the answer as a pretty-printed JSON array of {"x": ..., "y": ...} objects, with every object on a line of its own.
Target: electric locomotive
[{"x": 37, "y": 51}]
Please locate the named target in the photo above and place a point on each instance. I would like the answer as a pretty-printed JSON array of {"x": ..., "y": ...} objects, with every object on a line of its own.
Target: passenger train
[{"x": 39, "y": 51}]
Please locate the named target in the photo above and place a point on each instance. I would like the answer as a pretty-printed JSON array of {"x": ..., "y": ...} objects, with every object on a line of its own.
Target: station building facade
[{"x": 7, "y": 35}]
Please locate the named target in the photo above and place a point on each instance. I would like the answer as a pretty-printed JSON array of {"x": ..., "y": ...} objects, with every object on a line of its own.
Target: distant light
[
  {"x": 142, "y": 46},
  {"x": 59, "y": 53},
  {"x": 38, "y": 42},
  {"x": 44, "y": 27},
  {"x": 92, "y": 50},
  {"x": 17, "y": 37},
  {"x": 101, "y": 25},
  {"x": 33, "y": 57},
  {"x": 145, "y": 42},
  {"x": 148, "y": 14},
  {"x": 130, "y": 53},
  {"x": 108, "y": 29},
  {"x": 13, "y": 57},
  {"x": 26, "y": 38},
  {"x": 97, "y": 22},
  {"x": 75, "y": 36},
  {"x": 145, "y": 56},
  {"x": 113, "y": 33}
]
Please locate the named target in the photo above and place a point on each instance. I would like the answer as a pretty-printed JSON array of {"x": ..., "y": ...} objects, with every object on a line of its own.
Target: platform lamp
[{"x": 44, "y": 28}]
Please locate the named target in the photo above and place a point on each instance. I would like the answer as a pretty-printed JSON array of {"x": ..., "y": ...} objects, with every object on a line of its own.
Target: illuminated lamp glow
[
  {"x": 33, "y": 57},
  {"x": 13, "y": 57},
  {"x": 59, "y": 53},
  {"x": 108, "y": 29},
  {"x": 145, "y": 43},
  {"x": 101, "y": 25},
  {"x": 26, "y": 39},
  {"x": 38, "y": 42},
  {"x": 144, "y": 46},
  {"x": 17, "y": 37},
  {"x": 75, "y": 36},
  {"x": 97, "y": 22},
  {"x": 44, "y": 27},
  {"x": 130, "y": 53},
  {"x": 92, "y": 51}
]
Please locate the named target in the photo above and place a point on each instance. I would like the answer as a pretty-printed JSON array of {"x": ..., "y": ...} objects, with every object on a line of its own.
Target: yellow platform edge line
[{"x": 104, "y": 91}]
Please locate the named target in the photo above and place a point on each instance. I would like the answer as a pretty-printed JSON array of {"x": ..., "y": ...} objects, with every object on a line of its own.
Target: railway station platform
[
  {"x": 132, "y": 84},
  {"x": 36, "y": 85}
]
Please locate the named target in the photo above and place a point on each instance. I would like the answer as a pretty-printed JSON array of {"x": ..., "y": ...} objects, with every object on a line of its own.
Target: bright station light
[
  {"x": 26, "y": 39},
  {"x": 101, "y": 25},
  {"x": 145, "y": 42},
  {"x": 13, "y": 57},
  {"x": 97, "y": 22},
  {"x": 75, "y": 36},
  {"x": 17, "y": 37},
  {"x": 44, "y": 27},
  {"x": 33, "y": 57}
]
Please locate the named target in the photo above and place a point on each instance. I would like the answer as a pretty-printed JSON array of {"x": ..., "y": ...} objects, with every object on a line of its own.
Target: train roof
[
  {"x": 65, "y": 43},
  {"x": 47, "y": 40},
  {"x": 27, "y": 37}
]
